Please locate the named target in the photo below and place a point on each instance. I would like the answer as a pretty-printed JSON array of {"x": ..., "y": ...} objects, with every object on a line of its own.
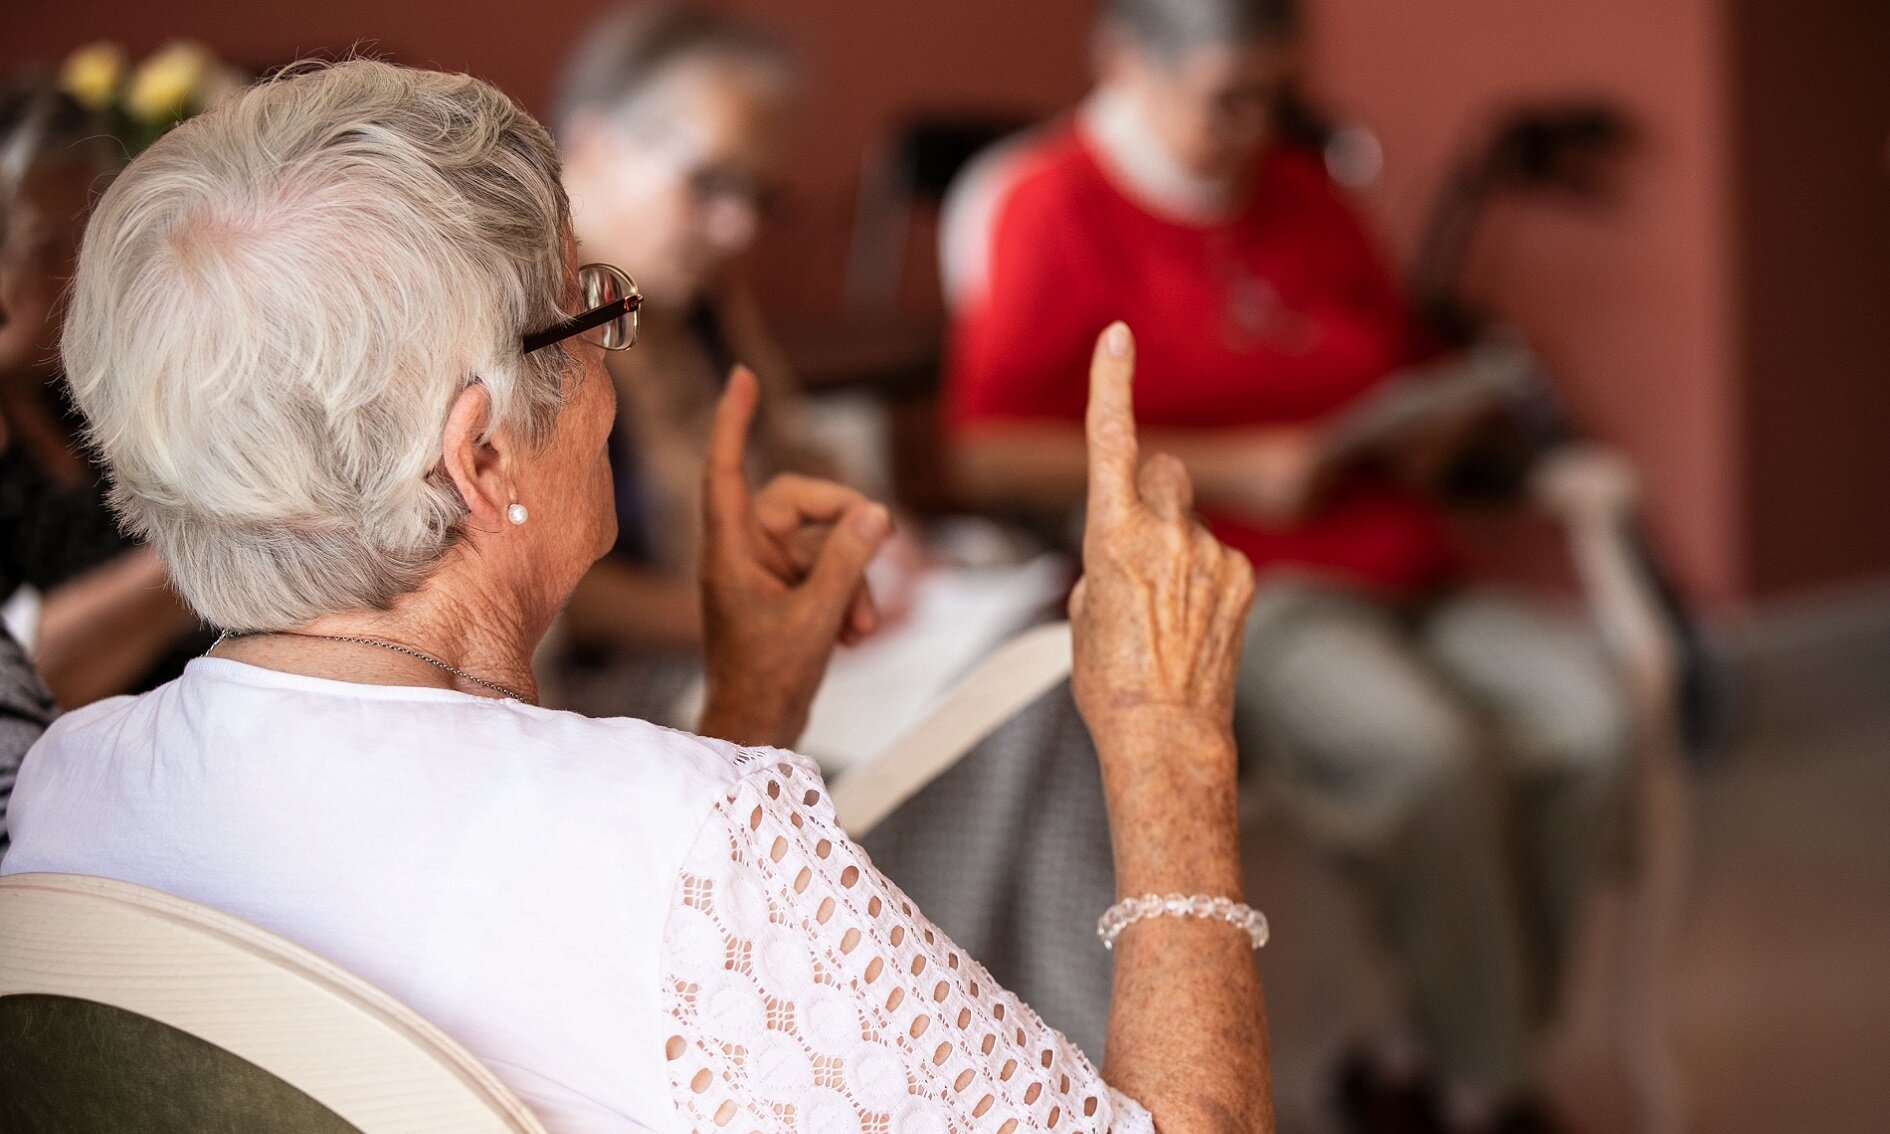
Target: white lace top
[
  {"x": 636, "y": 929},
  {"x": 808, "y": 994}
]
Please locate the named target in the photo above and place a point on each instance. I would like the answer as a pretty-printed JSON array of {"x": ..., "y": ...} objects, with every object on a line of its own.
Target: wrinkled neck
[{"x": 460, "y": 617}]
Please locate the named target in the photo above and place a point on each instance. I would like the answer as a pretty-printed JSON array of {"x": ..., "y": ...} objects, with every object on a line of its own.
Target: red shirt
[{"x": 1283, "y": 314}]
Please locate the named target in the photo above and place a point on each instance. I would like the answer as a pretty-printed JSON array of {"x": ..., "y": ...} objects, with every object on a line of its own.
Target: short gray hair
[
  {"x": 1171, "y": 28},
  {"x": 620, "y": 57},
  {"x": 276, "y": 305}
]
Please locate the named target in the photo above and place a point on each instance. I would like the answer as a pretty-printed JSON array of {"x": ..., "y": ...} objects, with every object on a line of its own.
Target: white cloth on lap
[{"x": 635, "y": 928}]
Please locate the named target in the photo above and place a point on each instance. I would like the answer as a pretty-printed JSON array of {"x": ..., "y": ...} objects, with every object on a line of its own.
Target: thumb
[{"x": 838, "y": 573}]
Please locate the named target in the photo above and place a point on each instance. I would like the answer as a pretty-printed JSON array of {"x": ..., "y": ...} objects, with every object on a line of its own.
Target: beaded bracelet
[{"x": 1131, "y": 910}]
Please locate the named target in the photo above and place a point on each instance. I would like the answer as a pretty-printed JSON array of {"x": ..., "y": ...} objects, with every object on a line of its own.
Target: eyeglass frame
[{"x": 627, "y": 304}]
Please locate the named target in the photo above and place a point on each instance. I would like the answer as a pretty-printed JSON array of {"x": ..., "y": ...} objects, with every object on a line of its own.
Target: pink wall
[
  {"x": 1629, "y": 303},
  {"x": 515, "y": 45},
  {"x": 1634, "y": 304}
]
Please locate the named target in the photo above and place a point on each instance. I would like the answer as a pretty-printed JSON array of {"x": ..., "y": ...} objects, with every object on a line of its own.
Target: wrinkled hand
[
  {"x": 1159, "y": 613},
  {"x": 783, "y": 580}
]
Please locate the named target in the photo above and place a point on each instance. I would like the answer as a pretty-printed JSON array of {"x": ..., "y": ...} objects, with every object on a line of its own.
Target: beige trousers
[{"x": 1463, "y": 761}]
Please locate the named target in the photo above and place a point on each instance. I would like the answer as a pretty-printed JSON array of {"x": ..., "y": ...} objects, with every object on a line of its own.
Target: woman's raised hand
[
  {"x": 1157, "y": 620},
  {"x": 1159, "y": 613},
  {"x": 783, "y": 581}
]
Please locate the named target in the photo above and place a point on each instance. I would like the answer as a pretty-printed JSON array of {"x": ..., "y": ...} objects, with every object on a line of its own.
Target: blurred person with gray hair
[
  {"x": 338, "y": 350},
  {"x": 675, "y": 123},
  {"x": 1459, "y": 751}
]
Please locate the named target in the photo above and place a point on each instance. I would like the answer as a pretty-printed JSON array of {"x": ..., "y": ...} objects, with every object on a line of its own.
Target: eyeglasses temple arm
[{"x": 578, "y": 324}]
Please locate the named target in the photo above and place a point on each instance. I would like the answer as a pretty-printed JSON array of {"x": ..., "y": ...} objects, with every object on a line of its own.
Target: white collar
[{"x": 1134, "y": 159}]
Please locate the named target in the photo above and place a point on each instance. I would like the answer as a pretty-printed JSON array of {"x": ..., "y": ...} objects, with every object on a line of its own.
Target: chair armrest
[
  {"x": 1592, "y": 491},
  {"x": 1017, "y": 673}
]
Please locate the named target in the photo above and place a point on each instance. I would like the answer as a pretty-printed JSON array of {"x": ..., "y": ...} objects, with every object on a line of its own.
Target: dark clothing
[
  {"x": 636, "y": 541},
  {"x": 25, "y": 711},
  {"x": 52, "y": 533}
]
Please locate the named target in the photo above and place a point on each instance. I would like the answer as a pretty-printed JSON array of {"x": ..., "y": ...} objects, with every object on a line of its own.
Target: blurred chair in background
[
  {"x": 891, "y": 339},
  {"x": 1462, "y": 752},
  {"x": 1677, "y": 689}
]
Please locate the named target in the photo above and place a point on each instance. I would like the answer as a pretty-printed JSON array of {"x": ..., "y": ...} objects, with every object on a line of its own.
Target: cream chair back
[{"x": 123, "y": 957}]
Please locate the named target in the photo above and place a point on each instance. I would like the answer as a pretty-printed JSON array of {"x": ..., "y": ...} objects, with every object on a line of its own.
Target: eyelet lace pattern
[{"x": 809, "y": 994}]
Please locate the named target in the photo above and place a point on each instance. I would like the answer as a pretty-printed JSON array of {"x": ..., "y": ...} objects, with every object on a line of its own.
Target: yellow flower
[
  {"x": 92, "y": 74},
  {"x": 166, "y": 83}
]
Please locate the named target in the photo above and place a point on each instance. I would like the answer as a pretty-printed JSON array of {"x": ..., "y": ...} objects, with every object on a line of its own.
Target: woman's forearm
[
  {"x": 1022, "y": 464},
  {"x": 1187, "y": 1026},
  {"x": 1039, "y": 464},
  {"x": 103, "y": 630},
  {"x": 617, "y": 604}
]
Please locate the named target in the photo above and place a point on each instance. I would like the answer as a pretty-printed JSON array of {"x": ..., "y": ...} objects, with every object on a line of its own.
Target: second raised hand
[{"x": 783, "y": 580}]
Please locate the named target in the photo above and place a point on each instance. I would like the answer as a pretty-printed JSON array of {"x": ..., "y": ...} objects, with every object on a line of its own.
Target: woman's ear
[{"x": 473, "y": 458}]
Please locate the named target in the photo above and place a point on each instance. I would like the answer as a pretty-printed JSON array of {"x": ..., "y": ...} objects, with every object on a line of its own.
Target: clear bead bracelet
[{"x": 1131, "y": 910}]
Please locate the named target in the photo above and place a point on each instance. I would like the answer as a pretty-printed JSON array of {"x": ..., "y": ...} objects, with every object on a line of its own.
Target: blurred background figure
[
  {"x": 104, "y": 621},
  {"x": 25, "y": 706},
  {"x": 674, "y": 123},
  {"x": 677, "y": 124},
  {"x": 1439, "y": 739}
]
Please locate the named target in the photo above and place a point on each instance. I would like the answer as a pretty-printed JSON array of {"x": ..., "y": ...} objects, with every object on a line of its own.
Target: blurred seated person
[
  {"x": 107, "y": 621},
  {"x": 674, "y": 125},
  {"x": 1376, "y": 691},
  {"x": 25, "y": 706},
  {"x": 673, "y": 122},
  {"x": 332, "y": 341}
]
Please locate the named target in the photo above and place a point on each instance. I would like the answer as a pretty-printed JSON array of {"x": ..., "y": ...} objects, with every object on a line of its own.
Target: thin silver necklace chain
[{"x": 394, "y": 646}]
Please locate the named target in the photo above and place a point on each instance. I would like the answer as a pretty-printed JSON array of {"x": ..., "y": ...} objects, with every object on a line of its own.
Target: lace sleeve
[{"x": 808, "y": 994}]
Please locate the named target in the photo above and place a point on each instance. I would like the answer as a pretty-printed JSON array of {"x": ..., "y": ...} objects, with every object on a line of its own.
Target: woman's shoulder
[
  {"x": 221, "y": 712},
  {"x": 660, "y": 788},
  {"x": 228, "y": 739},
  {"x": 612, "y": 748}
]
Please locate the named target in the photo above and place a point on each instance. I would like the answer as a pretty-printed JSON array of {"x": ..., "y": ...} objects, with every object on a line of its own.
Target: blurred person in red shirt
[{"x": 1460, "y": 750}]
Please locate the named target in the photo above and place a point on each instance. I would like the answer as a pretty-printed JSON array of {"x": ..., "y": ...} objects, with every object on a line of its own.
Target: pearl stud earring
[{"x": 517, "y": 514}]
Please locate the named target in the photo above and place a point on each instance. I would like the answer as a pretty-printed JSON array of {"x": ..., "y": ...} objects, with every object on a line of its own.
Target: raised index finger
[
  {"x": 1110, "y": 424},
  {"x": 724, "y": 481}
]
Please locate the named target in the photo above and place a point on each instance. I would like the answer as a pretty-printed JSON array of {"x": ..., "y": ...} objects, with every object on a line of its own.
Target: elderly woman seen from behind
[{"x": 329, "y": 339}]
